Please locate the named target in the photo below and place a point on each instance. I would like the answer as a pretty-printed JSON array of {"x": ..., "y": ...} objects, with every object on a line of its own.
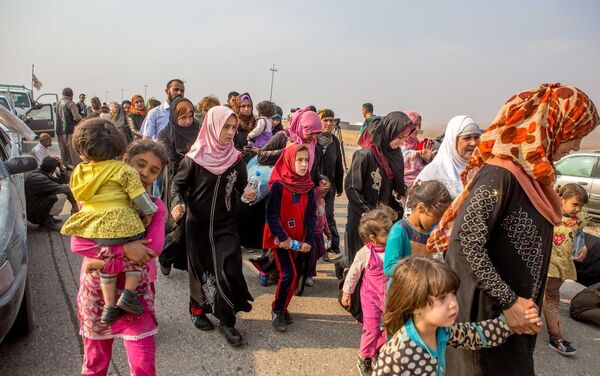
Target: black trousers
[{"x": 330, "y": 213}]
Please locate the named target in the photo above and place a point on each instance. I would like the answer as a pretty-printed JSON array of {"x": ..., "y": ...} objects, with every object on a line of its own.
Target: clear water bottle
[{"x": 252, "y": 186}]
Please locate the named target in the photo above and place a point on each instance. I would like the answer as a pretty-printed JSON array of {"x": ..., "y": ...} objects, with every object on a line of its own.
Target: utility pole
[
  {"x": 145, "y": 93},
  {"x": 121, "y": 95},
  {"x": 273, "y": 70}
]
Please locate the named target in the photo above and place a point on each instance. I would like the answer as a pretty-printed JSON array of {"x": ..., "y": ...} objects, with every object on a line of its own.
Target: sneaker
[
  {"x": 263, "y": 279},
  {"x": 561, "y": 346},
  {"x": 364, "y": 366},
  {"x": 231, "y": 335},
  {"x": 331, "y": 256},
  {"x": 129, "y": 302},
  {"x": 109, "y": 315},
  {"x": 248, "y": 250},
  {"x": 201, "y": 321},
  {"x": 310, "y": 281},
  {"x": 165, "y": 270},
  {"x": 288, "y": 318},
  {"x": 279, "y": 322},
  {"x": 55, "y": 219}
]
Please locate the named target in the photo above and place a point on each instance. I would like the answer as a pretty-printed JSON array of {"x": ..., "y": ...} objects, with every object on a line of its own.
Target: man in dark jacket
[
  {"x": 332, "y": 169},
  {"x": 46, "y": 194}
]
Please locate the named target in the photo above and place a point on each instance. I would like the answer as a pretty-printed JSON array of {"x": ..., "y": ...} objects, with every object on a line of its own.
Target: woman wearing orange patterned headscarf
[{"x": 498, "y": 231}]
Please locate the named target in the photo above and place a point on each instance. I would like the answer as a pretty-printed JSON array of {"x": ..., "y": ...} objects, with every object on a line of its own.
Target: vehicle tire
[{"x": 24, "y": 321}]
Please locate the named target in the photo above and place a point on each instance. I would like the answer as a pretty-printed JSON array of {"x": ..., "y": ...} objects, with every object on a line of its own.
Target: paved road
[{"x": 322, "y": 341}]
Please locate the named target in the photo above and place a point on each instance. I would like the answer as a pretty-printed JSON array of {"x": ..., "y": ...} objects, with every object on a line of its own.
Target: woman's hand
[
  {"x": 346, "y": 299},
  {"x": 250, "y": 195},
  {"x": 516, "y": 317},
  {"x": 582, "y": 253},
  {"x": 305, "y": 248},
  {"x": 178, "y": 211},
  {"x": 90, "y": 265},
  {"x": 137, "y": 252},
  {"x": 532, "y": 315}
]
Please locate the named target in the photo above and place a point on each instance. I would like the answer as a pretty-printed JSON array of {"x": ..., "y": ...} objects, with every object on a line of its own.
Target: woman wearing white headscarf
[{"x": 460, "y": 140}]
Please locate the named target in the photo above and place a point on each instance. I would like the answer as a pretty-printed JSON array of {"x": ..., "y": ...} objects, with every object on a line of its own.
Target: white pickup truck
[{"x": 38, "y": 114}]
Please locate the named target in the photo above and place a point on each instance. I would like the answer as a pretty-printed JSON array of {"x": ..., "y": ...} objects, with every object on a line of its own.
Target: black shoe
[
  {"x": 202, "y": 322},
  {"x": 109, "y": 315},
  {"x": 129, "y": 302},
  {"x": 339, "y": 270},
  {"x": 231, "y": 335},
  {"x": 288, "y": 318},
  {"x": 364, "y": 366},
  {"x": 279, "y": 322},
  {"x": 165, "y": 270}
]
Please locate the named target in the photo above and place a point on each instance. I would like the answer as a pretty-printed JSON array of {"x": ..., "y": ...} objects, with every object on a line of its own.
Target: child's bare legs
[
  {"x": 129, "y": 301},
  {"x": 131, "y": 281},
  {"x": 108, "y": 286}
]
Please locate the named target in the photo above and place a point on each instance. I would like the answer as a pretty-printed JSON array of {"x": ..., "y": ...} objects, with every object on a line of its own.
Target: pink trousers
[
  {"x": 372, "y": 337},
  {"x": 98, "y": 353}
]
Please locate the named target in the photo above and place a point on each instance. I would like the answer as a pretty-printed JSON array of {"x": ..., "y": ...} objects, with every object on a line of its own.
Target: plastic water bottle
[
  {"x": 252, "y": 186},
  {"x": 578, "y": 243},
  {"x": 294, "y": 244}
]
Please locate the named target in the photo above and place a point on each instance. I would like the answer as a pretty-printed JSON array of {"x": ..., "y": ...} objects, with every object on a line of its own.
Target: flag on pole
[{"x": 36, "y": 83}]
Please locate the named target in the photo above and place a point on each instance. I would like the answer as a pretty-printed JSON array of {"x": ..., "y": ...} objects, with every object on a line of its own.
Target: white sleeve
[
  {"x": 259, "y": 129},
  {"x": 361, "y": 260}
]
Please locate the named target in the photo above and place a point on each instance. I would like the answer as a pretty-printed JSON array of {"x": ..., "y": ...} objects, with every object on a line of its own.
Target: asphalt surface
[{"x": 323, "y": 340}]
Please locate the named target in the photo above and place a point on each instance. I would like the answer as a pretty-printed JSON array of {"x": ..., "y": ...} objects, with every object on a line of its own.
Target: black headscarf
[
  {"x": 379, "y": 132},
  {"x": 181, "y": 138}
]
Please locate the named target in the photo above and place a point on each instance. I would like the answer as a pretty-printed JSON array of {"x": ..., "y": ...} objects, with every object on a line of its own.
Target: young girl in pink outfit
[
  {"x": 148, "y": 158},
  {"x": 374, "y": 228},
  {"x": 321, "y": 228}
]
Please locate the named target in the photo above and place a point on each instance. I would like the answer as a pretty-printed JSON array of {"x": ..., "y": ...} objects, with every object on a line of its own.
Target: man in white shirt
[
  {"x": 42, "y": 149},
  {"x": 158, "y": 117}
]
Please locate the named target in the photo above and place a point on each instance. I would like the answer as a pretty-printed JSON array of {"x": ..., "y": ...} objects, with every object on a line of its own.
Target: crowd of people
[{"x": 450, "y": 251}]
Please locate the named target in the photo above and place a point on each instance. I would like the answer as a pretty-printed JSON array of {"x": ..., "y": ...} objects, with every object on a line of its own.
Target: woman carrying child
[
  {"x": 374, "y": 228},
  {"x": 263, "y": 130},
  {"x": 420, "y": 316},
  {"x": 290, "y": 224},
  {"x": 207, "y": 189},
  {"x": 111, "y": 194},
  {"x": 148, "y": 158},
  {"x": 573, "y": 198}
]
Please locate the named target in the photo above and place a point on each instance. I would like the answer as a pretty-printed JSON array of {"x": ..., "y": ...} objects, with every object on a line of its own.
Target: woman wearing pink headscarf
[
  {"x": 305, "y": 126},
  {"x": 207, "y": 189},
  {"x": 417, "y": 153}
]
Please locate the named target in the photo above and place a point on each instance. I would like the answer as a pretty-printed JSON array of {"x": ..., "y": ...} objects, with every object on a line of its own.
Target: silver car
[{"x": 582, "y": 168}]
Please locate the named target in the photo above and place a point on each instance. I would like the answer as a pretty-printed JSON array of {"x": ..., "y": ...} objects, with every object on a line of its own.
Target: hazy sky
[{"x": 440, "y": 58}]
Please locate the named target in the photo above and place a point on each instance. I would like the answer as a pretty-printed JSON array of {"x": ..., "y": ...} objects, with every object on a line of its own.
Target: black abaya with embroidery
[{"x": 216, "y": 280}]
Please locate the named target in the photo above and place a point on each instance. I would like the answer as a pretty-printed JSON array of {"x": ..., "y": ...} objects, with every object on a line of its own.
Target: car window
[
  {"x": 19, "y": 99},
  {"x": 45, "y": 112},
  {"x": 577, "y": 166},
  {"x": 4, "y": 103},
  {"x": 5, "y": 145}
]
